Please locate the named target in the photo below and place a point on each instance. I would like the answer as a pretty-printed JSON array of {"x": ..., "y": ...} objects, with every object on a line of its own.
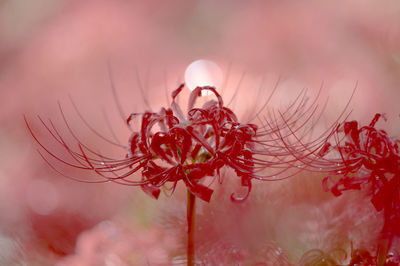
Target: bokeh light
[
  {"x": 42, "y": 196},
  {"x": 203, "y": 73}
]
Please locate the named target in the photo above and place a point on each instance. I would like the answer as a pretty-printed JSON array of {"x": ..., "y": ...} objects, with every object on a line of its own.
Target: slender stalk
[
  {"x": 191, "y": 207},
  {"x": 384, "y": 243},
  {"x": 382, "y": 252}
]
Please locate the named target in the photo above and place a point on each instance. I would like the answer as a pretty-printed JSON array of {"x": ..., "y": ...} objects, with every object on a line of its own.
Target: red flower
[
  {"x": 368, "y": 159},
  {"x": 171, "y": 146}
]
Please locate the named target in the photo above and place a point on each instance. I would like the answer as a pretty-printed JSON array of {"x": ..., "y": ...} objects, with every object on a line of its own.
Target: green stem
[
  {"x": 191, "y": 207},
  {"x": 382, "y": 252}
]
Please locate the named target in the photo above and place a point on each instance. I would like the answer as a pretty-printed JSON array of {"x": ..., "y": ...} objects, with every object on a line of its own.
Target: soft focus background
[{"x": 51, "y": 50}]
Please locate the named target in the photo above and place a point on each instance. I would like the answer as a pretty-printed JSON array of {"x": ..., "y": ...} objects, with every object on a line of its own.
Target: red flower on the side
[
  {"x": 171, "y": 146},
  {"x": 367, "y": 158}
]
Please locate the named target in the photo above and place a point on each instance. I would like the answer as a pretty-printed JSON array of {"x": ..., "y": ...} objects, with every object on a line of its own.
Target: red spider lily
[
  {"x": 170, "y": 147},
  {"x": 368, "y": 159}
]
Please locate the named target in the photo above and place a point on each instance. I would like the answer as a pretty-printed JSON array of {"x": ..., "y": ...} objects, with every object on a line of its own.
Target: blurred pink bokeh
[{"x": 53, "y": 49}]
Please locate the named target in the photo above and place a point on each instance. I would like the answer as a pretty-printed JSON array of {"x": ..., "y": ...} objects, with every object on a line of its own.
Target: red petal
[
  {"x": 151, "y": 190},
  {"x": 199, "y": 190}
]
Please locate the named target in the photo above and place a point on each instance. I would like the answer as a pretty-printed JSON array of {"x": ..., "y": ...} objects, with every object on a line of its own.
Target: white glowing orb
[
  {"x": 42, "y": 196},
  {"x": 203, "y": 73}
]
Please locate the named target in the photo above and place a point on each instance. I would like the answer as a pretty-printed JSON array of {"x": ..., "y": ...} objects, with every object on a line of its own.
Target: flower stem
[
  {"x": 382, "y": 252},
  {"x": 191, "y": 207}
]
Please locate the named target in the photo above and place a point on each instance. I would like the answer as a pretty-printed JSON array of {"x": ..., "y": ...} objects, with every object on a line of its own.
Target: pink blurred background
[{"x": 53, "y": 49}]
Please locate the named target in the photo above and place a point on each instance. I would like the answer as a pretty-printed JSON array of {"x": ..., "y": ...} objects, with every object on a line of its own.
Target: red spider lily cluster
[
  {"x": 171, "y": 146},
  {"x": 368, "y": 159},
  {"x": 174, "y": 145},
  {"x": 191, "y": 147}
]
